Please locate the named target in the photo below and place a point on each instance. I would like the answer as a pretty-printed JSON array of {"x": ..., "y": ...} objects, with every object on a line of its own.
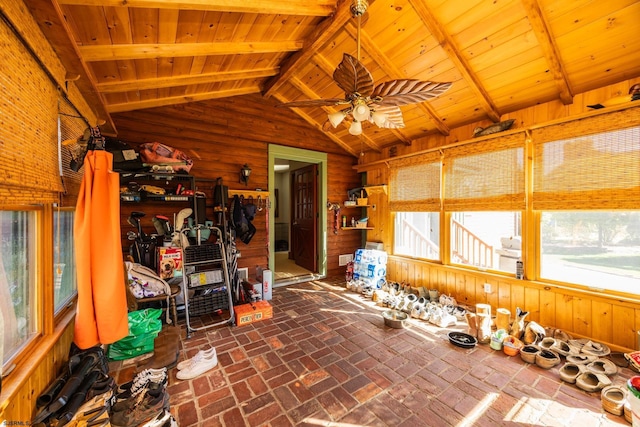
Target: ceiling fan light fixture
[
  {"x": 379, "y": 118},
  {"x": 355, "y": 128},
  {"x": 336, "y": 118},
  {"x": 361, "y": 112}
]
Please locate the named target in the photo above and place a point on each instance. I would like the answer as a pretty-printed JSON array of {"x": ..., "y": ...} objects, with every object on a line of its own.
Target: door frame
[{"x": 306, "y": 156}]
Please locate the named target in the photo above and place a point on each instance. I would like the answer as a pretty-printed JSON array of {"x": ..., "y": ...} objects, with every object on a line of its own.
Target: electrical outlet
[
  {"x": 345, "y": 259},
  {"x": 487, "y": 288}
]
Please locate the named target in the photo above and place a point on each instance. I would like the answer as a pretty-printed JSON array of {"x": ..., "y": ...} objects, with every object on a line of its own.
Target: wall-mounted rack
[{"x": 249, "y": 193}]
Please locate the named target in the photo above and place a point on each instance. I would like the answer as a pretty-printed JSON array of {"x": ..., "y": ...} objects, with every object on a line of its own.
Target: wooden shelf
[
  {"x": 355, "y": 206},
  {"x": 357, "y": 228}
]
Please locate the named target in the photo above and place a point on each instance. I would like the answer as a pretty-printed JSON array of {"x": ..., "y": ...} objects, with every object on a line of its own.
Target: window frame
[{"x": 49, "y": 325}]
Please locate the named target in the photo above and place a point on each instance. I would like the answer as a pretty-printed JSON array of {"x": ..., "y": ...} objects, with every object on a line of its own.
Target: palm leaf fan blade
[
  {"x": 407, "y": 91},
  {"x": 352, "y": 77}
]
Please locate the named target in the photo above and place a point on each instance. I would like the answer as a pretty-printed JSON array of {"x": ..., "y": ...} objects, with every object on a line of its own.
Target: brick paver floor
[{"x": 327, "y": 359}]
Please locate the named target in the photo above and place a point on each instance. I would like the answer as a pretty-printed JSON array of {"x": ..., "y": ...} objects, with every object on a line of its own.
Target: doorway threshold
[{"x": 297, "y": 279}]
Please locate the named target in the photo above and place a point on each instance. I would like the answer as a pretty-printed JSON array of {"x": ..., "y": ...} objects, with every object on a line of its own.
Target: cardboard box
[
  {"x": 169, "y": 262},
  {"x": 254, "y": 312}
]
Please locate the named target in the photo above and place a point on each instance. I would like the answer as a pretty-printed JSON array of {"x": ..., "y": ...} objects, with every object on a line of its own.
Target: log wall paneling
[{"x": 221, "y": 136}]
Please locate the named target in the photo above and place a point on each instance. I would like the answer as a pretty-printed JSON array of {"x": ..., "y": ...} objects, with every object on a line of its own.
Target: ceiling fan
[{"x": 366, "y": 102}]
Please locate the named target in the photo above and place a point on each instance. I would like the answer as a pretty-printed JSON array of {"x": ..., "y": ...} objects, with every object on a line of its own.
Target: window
[
  {"x": 598, "y": 249},
  {"x": 588, "y": 192},
  {"x": 417, "y": 234},
  {"x": 415, "y": 199},
  {"x": 487, "y": 240},
  {"x": 64, "y": 271},
  {"x": 484, "y": 196},
  {"x": 18, "y": 267}
]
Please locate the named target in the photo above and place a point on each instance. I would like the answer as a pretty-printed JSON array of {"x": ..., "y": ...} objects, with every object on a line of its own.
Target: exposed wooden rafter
[
  {"x": 290, "y": 7},
  {"x": 162, "y": 82},
  {"x": 182, "y": 99},
  {"x": 549, "y": 49},
  {"x": 176, "y": 50},
  {"x": 456, "y": 57},
  {"x": 312, "y": 122},
  {"x": 55, "y": 27},
  {"x": 391, "y": 69},
  {"x": 322, "y": 34}
]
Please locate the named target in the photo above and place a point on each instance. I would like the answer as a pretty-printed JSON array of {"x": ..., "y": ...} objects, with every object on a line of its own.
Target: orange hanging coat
[{"x": 101, "y": 316}]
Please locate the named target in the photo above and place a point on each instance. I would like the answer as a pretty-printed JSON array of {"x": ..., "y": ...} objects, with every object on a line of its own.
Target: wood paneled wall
[{"x": 222, "y": 135}]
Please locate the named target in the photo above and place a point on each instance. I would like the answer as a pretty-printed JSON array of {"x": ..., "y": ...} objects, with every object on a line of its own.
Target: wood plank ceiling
[{"x": 501, "y": 55}]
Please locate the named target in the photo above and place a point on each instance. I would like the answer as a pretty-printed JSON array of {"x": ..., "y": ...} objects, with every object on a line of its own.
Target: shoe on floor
[
  {"x": 595, "y": 349},
  {"x": 581, "y": 359},
  {"x": 547, "y": 359},
  {"x": 570, "y": 372},
  {"x": 200, "y": 354},
  {"x": 198, "y": 366},
  {"x": 145, "y": 408},
  {"x": 164, "y": 419},
  {"x": 590, "y": 382},
  {"x": 613, "y": 399},
  {"x": 603, "y": 366}
]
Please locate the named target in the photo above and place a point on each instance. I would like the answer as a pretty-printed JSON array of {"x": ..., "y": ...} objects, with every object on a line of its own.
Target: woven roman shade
[
  {"x": 415, "y": 184},
  {"x": 486, "y": 175},
  {"x": 597, "y": 171}
]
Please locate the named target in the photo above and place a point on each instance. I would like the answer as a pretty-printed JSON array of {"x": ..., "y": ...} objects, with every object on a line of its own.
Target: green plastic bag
[{"x": 144, "y": 326}]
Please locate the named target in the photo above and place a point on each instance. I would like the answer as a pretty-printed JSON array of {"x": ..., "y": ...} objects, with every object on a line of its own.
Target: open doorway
[{"x": 297, "y": 185}]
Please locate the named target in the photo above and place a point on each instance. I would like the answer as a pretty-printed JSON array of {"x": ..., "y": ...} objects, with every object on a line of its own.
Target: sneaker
[
  {"x": 200, "y": 354},
  {"x": 141, "y": 378},
  {"x": 164, "y": 419},
  {"x": 198, "y": 366},
  {"x": 146, "y": 408}
]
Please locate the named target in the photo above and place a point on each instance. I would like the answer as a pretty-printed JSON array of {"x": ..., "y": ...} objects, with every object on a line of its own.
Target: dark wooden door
[{"x": 304, "y": 217}]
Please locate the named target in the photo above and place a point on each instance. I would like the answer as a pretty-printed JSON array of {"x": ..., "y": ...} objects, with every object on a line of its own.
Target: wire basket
[{"x": 209, "y": 301}]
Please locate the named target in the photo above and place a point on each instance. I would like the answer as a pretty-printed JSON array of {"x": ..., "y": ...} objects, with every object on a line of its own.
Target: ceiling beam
[
  {"x": 312, "y": 122},
  {"x": 120, "y": 52},
  {"x": 54, "y": 26},
  {"x": 164, "y": 82},
  {"x": 446, "y": 42},
  {"x": 297, "y": 83},
  {"x": 273, "y": 7},
  {"x": 181, "y": 99},
  {"x": 322, "y": 34},
  {"x": 549, "y": 49},
  {"x": 392, "y": 70}
]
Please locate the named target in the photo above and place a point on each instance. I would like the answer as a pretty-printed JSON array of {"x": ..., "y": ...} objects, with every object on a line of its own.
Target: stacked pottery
[
  {"x": 483, "y": 319},
  {"x": 503, "y": 319}
]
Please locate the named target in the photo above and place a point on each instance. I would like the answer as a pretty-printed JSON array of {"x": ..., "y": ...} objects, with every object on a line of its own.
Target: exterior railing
[
  {"x": 421, "y": 246},
  {"x": 469, "y": 248}
]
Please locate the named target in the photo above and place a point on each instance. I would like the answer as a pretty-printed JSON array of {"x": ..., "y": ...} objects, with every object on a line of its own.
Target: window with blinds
[
  {"x": 598, "y": 171},
  {"x": 487, "y": 176},
  {"x": 415, "y": 185}
]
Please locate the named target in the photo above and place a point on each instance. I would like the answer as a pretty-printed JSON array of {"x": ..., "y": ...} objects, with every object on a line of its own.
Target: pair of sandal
[{"x": 590, "y": 376}]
